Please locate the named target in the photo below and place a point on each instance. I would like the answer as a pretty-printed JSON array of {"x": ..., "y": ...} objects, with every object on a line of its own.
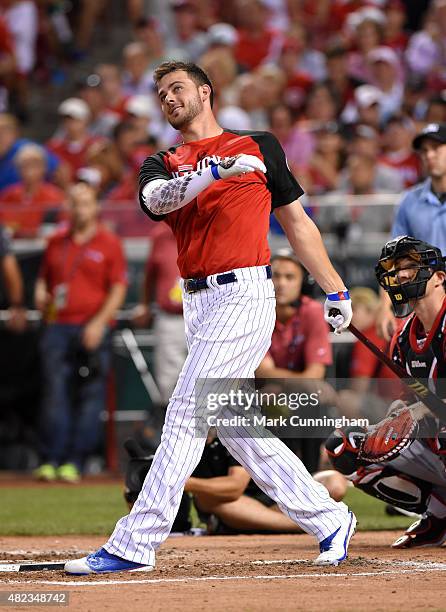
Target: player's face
[
  {"x": 287, "y": 279},
  {"x": 180, "y": 99},
  {"x": 406, "y": 270},
  {"x": 433, "y": 156}
]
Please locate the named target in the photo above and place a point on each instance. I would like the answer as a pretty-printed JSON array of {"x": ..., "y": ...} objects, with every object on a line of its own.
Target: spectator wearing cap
[
  {"x": 365, "y": 107},
  {"x": 398, "y": 153},
  {"x": 10, "y": 145},
  {"x": 366, "y": 30},
  {"x": 142, "y": 113},
  {"x": 74, "y": 141},
  {"x": 421, "y": 212},
  {"x": 185, "y": 38},
  {"x": 26, "y": 205},
  {"x": 386, "y": 75},
  {"x": 256, "y": 39},
  {"x": 300, "y": 347}
]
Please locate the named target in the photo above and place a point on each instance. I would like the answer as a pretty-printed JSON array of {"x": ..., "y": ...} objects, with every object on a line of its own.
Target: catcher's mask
[
  {"x": 343, "y": 446},
  {"x": 426, "y": 260}
]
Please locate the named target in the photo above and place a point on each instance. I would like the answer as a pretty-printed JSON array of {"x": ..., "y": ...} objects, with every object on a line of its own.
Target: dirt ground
[{"x": 240, "y": 573}]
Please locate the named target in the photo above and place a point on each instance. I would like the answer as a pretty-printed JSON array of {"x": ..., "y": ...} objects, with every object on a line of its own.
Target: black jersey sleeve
[
  {"x": 152, "y": 169},
  {"x": 280, "y": 180}
]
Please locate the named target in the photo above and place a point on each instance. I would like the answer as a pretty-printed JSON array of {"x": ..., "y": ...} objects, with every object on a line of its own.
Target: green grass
[{"x": 94, "y": 509}]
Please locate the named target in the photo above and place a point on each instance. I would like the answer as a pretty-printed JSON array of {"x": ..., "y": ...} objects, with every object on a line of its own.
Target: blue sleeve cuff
[
  {"x": 214, "y": 170},
  {"x": 338, "y": 296}
]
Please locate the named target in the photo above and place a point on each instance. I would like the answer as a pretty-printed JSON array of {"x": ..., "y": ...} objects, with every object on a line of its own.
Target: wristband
[
  {"x": 339, "y": 296},
  {"x": 214, "y": 170}
]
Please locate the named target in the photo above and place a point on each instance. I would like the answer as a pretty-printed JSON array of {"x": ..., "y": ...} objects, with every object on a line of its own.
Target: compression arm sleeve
[{"x": 162, "y": 197}]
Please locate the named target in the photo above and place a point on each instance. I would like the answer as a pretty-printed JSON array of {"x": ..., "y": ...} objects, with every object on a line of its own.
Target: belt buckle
[{"x": 189, "y": 285}]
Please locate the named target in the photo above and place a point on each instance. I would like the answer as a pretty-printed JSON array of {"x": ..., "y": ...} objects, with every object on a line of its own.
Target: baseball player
[
  {"x": 216, "y": 190},
  {"x": 413, "y": 273}
]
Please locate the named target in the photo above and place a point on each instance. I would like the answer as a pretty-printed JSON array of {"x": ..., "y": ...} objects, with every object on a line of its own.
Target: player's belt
[{"x": 191, "y": 285}]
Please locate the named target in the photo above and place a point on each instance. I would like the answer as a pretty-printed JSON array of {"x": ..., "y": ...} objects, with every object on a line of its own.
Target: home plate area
[{"x": 238, "y": 573}]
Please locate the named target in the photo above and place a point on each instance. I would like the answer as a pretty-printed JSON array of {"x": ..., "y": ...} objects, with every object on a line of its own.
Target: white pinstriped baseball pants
[{"x": 228, "y": 330}]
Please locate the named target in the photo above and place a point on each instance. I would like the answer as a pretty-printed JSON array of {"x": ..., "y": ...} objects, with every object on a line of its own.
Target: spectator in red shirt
[
  {"x": 300, "y": 346},
  {"x": 74, "y": 142},
  {"x": 81, "y": 284},
  {"x": 398, "y": 153},
  {"x": 24, "y": 206},
  {"x": 162, "y": 288},
  {"x": 255, "y": 38}
]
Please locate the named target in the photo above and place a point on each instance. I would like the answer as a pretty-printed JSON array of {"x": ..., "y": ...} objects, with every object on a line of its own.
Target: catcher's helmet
[{"x": 426, "y": 258}]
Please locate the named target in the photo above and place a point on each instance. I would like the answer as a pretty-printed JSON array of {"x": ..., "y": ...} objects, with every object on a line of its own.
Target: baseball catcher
[{"x": 401, "y": 459}]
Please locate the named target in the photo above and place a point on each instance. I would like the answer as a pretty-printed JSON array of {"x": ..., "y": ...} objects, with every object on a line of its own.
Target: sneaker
[
  {"x": 334, "y": 548},
  {"x": 428, "y": 531},
  {"x": 68, "y": 472},
  {"x": 46, "y": 472},
  {"x": 101, "y": 562}
]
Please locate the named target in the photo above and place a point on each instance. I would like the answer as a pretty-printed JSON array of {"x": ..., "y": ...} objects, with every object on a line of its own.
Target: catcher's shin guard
[{"x": 427, "y": 531}]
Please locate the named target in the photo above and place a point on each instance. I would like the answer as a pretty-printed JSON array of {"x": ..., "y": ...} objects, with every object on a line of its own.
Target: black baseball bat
[
  {"x": 32, "y": 567},
  {"x": 419, "y": 389}
]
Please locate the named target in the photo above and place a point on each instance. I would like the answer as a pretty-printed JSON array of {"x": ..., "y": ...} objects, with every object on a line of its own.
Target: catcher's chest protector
[{"x": 428, "y": 361}]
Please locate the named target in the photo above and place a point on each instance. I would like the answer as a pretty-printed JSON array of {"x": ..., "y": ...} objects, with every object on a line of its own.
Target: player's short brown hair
[{"x": 193, "y": 71}]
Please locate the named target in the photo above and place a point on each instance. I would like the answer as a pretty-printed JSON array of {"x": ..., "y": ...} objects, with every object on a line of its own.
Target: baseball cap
[
  {"x": 383, "y": 54},
  {"x": 75, "y": 108},
  {"x": 234, "y": 117},
  {"x": 434, "y": 131},
  {"x": 222, "y": 34},
  {"x": 366, "y": 95},
  {"x": 140, "y": 106}
]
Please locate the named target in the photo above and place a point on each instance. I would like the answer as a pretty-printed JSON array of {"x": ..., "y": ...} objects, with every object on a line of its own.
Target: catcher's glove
[{"x": 389, "y": 437}]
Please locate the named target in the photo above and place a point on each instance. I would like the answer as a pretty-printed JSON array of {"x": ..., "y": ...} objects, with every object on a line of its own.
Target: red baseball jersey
[
  {"x": 303, "y": 339},
  {"x": 226, "y": 226},
  {"x": 87, "y": 270}
]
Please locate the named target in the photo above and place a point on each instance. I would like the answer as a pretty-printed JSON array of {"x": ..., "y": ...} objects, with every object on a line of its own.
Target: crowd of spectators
[{"x": 343, "y": 84}]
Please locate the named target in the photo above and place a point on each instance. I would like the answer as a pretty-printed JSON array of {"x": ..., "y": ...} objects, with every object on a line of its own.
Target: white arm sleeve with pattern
[{"x": 162, "y": 196}]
